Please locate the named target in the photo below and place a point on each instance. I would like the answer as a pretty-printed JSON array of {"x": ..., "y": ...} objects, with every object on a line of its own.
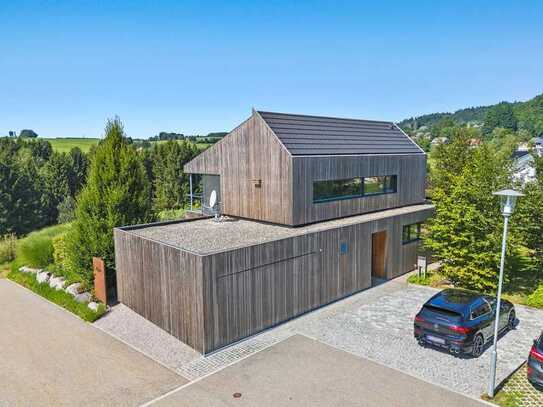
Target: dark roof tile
[{"x": 317, "y": 135}]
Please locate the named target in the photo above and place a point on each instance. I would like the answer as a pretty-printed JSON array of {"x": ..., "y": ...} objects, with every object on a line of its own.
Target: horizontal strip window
[
  {"x": 350, "y": 188},
  {"x": 411, "y": 233}
]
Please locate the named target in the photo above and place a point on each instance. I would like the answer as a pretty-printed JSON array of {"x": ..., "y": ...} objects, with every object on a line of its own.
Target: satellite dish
[{"x": 213, "y": 199}]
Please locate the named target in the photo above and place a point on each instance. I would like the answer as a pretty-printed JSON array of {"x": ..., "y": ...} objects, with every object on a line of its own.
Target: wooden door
[{"x": 378, "y": 254}]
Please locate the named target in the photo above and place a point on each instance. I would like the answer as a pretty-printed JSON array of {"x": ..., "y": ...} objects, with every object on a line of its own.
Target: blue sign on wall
[{"x": 343, "y": 248}]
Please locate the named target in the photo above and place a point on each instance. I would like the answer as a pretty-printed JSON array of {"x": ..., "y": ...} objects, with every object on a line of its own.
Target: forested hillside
[{"x": 525, "y": 116}]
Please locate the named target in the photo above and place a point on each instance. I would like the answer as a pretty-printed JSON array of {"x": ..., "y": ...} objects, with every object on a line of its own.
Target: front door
[{"x": 378, "y": 254}]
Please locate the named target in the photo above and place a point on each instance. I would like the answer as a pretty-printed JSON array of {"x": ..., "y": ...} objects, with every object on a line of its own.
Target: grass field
[{"x": 64, "y": 145}]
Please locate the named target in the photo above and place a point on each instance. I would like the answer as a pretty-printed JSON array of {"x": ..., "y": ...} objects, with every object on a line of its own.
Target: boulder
[
  {"x": 83, "y": 297},
  {"x": 57, "y": 283},
  {"x": 25, "y": 269},
  {"x": 93, "y": 306},
  {"x": 73, "y": 289},
  {"x": 42, "y": 276}
]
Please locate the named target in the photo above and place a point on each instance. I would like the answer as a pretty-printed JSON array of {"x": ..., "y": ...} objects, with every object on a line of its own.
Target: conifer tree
[{"x": 116, "y": 193}]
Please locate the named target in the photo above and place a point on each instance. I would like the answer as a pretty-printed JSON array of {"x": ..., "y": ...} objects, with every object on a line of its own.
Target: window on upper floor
[
  {"x": 380, "y": 185},
  {"x": 357, "y": 187},
  {"x": 411, "y": 233},
  {"x": 324, "y": 191}
]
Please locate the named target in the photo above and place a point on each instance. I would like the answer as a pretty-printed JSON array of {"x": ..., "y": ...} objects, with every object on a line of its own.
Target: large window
[
  {"x": 357, "y": 187},
  {"x": 380, "y": 185},
  {"x": 411, "y": 233},
  {"x": 337, "y": 189}
]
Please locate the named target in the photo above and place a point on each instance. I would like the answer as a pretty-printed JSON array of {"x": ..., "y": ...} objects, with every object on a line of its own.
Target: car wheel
[
  {"x": 478, "y": 346},
  {"x": 511, "y": 320}
]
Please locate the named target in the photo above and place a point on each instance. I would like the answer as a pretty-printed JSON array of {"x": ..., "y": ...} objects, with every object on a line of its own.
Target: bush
[
  {"x": 8, "y": 247},
  {"x": 36, "y": 250},
  {"x": 535, "y": 299},
  {"x": 59, "y": 249},
  {"x": 171, "y": 214}
]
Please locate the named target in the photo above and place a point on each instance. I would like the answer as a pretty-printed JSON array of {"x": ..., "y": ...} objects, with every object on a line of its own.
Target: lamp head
[{"x": 508, "y": 199}]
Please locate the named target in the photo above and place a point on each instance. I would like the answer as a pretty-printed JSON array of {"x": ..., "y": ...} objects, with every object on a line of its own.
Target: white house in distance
[{"x": 524, "y": 170}]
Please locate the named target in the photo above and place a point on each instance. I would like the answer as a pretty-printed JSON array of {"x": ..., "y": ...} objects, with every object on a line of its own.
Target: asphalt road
[
  {"x": 49, "y": 357},
  {"x": 304, "y": 372}
]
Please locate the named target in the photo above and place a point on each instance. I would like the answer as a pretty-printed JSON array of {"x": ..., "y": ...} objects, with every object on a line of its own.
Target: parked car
[
  {"x": 461, "y": 321},
  {"x": 535, "y": 362}
]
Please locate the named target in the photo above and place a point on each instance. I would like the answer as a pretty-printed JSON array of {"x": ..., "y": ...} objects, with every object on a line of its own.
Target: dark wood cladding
[
  {"x": 161, "y": 283},
  {"x": 250, "y": 289},
  {"x": 210, "y": 301},
  {"x": 255, "y": 172},
  {"x": 410, "y": 170}
]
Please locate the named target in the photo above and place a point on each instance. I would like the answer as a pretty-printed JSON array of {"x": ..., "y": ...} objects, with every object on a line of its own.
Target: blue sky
[{"x": 196, "y": 67}]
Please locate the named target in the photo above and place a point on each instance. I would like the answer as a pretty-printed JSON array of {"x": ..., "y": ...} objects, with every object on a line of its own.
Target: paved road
[
  {"x": 304, "y": 372},
  {"x": 376, "y": 324},
  {"x": 48, "y": 357}
]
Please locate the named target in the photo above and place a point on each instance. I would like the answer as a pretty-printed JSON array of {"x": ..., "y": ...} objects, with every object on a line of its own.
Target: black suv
[
  {"x": 535, "y": 362},
  {"x": 461, "y": 321}
]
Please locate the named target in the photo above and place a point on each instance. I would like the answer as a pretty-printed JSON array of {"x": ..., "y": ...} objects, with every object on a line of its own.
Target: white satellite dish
[{"x": 213, "y": 199}]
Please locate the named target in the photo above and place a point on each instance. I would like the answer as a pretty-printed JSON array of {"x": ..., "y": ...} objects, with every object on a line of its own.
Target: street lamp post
[{"x": 508, "y": 200}]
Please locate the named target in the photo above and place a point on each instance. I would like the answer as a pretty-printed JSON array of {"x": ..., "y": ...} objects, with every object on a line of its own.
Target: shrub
[
  {"x": 36, "y": 250},
  {"x": 59, "y": 249},
  {"x": 171, "y": 214},
  {"x": 8, "y": 246},
  {"x": 535, "y": 299}
]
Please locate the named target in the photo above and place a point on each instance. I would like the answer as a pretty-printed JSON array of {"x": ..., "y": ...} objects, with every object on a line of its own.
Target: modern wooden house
[{"x": 317, "y": 207}]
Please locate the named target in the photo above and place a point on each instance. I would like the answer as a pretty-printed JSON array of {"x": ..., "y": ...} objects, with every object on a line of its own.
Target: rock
[
  {"x": 42, "y": 276},
  {"x": 83, "y": 297},
  {"x": 73, "y": 289},
  {"x": 25, "y": 269},
  {"x": 57, "y": 283},
  {"x": 93, "y": 306}
]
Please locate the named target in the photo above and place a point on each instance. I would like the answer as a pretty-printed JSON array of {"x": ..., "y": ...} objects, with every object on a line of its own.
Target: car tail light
[
  {"x": 460, "y": 329},
  {"x": 529, "y": 371},
  {"x": 418, "y": 318},
  {"x": 536, "y": 354}
]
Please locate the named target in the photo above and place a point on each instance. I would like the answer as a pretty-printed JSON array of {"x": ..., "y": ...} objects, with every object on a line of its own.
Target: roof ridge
[{"x": 327, "y": 117}]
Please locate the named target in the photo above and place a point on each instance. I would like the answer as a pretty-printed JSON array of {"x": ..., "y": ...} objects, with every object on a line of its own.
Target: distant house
[
  {"x": 318, "y": 208},
  {"x": 474, "y": 142},
  {"x": 439, "y": 140},
  {"x": 523, "y": 167}
]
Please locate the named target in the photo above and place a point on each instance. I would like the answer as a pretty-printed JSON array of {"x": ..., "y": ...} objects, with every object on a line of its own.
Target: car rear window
[{"x": 442, "y": 313}]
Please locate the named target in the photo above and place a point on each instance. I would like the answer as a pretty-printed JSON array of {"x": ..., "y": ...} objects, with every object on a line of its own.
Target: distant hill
[{"x": 528, "y": 115}]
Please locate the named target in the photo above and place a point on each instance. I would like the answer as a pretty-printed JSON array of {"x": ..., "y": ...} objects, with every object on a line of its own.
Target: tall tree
[
  {"x": 465, "y": 233},
  {"x": 170, "y": 183},
  {"x": 116, "y": 193}
]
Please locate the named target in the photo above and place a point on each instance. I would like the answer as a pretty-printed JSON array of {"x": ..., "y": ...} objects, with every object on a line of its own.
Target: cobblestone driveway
[{"x": 376, "y": 324}]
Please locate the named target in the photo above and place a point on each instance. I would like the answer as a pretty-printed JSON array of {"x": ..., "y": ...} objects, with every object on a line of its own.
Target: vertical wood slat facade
[
  {"x": 209, "y": 301},
  {"x": 249, "y": 153},
  {"x": 162, "y": 284},
  {"x": 409, "y": 169},
  {"x": 285, "y": 195}
]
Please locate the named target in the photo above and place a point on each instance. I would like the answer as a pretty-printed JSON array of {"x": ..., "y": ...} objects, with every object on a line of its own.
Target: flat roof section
[{"x": 205, "y": 236}]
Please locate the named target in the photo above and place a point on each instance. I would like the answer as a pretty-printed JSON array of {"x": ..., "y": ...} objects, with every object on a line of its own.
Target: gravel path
[
  {"x": 376, "y": 324},
  {"x": 131, "y": 328}
]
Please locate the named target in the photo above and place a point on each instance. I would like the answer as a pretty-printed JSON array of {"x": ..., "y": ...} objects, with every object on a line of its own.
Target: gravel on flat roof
[{"x": 205, "y": 236}]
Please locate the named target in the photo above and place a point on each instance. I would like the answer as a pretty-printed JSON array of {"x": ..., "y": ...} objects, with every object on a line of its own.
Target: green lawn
[
  {"x": 521, "y": 280},
  {"x": 64, "y": 145}
]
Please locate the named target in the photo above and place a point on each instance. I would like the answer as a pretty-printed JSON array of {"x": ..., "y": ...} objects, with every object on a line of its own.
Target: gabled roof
[{"x": 318, "y": 135}]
